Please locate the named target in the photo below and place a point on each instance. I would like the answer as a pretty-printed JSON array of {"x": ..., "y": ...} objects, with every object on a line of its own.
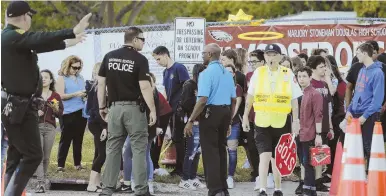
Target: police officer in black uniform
[
  {"x": 125, "y": 71},
  {"x": 21, "y": 89}
]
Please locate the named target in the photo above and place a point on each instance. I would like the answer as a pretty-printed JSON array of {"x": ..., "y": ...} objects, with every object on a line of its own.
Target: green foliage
[{"x": 55, "y": 15}]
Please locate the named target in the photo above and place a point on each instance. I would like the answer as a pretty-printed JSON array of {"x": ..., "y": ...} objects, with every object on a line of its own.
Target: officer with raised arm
[{"x": 22, "y": 87}]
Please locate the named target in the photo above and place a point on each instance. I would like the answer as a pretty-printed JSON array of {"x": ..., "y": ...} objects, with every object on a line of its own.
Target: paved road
[{"x": 241, "y": 189}]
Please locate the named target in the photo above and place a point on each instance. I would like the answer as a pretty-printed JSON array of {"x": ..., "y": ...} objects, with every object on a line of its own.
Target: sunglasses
[
  {"x": 141, "y": 38},
  {"x": 30, "y": 15},
  {"x": 76, "y": 68}
]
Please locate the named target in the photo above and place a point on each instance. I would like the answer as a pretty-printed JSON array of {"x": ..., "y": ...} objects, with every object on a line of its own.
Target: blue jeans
[
  {"x": 192, "y": 154},
  {"x": 127, "y": 161},
  {"x": 309, "y": 171},
  {"x": 4, "y": 146},
  {"x": 235, "y": 134}
]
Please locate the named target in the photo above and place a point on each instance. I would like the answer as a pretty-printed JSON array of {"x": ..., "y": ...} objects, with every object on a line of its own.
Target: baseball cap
[
  {"x": 273, "y": 48},
  {"x": 18, "y": 8}
]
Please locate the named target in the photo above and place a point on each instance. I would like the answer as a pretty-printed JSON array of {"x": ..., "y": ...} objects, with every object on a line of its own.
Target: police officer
[
  {"x": 273, "y": 92},
  {"x": 216, "y": 104},
  {"x": 126, "y": 73},
  {"x": 21, "y": 83}
]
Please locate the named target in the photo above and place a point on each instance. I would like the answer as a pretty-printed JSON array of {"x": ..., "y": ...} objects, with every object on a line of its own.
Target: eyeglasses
[
  {"x": 141, "y": 38},
  {"x": 30, "y": 15},
  {"x": 203, "y": 53},
  {"x": 76, "y": 68},
  {"x": 254, "y": 62}
]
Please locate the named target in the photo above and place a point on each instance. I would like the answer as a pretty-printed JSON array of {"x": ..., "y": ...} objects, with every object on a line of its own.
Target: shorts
[{"x": 267, "y": 138}]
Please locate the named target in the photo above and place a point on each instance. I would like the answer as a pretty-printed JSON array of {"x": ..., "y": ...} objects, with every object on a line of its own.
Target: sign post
[
  {"x": 285, "y": 158},
  {"x": 189, "y": 40}
]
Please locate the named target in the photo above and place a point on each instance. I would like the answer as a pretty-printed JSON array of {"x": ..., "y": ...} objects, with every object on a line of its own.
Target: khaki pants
[
  {"x": 47, "y": 138},
  {"x": 125, "y": 119}
]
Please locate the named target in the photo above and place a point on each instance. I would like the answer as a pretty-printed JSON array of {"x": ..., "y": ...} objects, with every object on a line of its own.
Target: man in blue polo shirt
[
  {"x": 215, "y": 105},
  {"x": 174, "y": 75}
]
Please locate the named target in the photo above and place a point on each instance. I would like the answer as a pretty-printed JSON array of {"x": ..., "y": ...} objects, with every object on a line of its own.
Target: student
[
  {"x": 174, "y": 76},
  {"x": 368, "y": 96},
  {"x": 233, "y": 136},
  {"x": 189, "y": 178},
  {"x": 311, "y": 115},
  {"x": 320, "y": 83}
]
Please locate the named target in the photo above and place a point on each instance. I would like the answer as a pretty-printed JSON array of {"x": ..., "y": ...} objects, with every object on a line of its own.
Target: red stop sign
[{"x": 285, "y": 157}]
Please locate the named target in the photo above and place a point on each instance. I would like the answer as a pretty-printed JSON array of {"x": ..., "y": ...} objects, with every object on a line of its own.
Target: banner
[{"x": 341, "y": 40}]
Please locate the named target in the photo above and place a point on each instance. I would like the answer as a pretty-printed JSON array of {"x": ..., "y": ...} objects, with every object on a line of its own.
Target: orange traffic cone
[
  {"x": 353, "y": 179},
  {"x": 337, "y": 170},
  {"x": 377, "y": 167},
  {"x": 2, "y": 178}
]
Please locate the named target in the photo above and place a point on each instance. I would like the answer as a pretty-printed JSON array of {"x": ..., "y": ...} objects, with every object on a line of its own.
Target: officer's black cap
[
  {"x": 272, "y": 48},
  {"x": 18, "y": 8}
]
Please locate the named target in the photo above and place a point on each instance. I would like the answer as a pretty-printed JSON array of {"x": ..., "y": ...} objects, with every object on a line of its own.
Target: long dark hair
[
  {"x": 52, "y": 85},
  {"x": 336, "y": 72},
  {"x": 197, "y": 69}
]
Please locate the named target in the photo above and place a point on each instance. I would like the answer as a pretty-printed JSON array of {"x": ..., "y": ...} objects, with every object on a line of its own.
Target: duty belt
[{"x": 124, "y": 103}]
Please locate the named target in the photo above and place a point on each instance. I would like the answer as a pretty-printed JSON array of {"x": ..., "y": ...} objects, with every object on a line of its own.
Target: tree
[
  {"x": 64, "y": 14},
  {"x": 55, "y": 15}
]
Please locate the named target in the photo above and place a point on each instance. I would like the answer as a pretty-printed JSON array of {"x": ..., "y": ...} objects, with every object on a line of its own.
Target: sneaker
[
  {"x": 263, "y": 193},
  {"x": 133, "y": 185},
  {"x": 299, "y": 189},
  {"x": 40, "y": 188},
  {"x": 79, "y": 168},
  {"x": 151, "y": 187},
  {"x": 186, "y": 185},
  {"x": 321, "y": 187},
  {"x": 257, "y": 184},
  {"x": 277, "y": 193},
  {"x": 270, "y": 181},
  {"x": 126, "y": 188},
  {"x": 197, "y": 183},
  {"x": 246, "y": 165},
  {"x": 230, "y": 182},
  {"x": 60, "y": 169},
  {"x": 161, "y": 172},
  {"x": 325, "y": 179}
]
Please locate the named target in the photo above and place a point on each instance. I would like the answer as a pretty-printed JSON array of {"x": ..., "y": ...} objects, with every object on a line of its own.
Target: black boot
[
  {"x": 299, "y": 189},
  {"x": 321, "y": 187}
]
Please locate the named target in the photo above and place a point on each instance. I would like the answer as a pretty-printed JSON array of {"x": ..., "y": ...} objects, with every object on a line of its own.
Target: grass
[{"x": 241, "y": 175}]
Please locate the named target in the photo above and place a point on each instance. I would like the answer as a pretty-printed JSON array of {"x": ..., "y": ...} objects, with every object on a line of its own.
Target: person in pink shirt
[{"x": 311, "y": 116}]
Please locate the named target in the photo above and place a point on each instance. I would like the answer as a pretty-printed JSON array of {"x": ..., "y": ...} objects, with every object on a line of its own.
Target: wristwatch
[
  {"x": 318, "y": 134},
  {"x": 102, "y": 108}
]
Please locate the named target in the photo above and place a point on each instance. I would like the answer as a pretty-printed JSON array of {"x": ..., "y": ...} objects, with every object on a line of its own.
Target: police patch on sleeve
[{"x": 20, "y": 31}]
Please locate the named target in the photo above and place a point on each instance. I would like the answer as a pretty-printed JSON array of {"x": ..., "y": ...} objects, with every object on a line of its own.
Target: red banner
[{"x": 341, "y": 40}]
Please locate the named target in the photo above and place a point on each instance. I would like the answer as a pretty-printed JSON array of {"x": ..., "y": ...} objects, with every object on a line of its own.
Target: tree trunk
[
  {"x": 110, "y": 14},
  {"x": 133, "y": 15},
  {"x": 123, "y": 11}
]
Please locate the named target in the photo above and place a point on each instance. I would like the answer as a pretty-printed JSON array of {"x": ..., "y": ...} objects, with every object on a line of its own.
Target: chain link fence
[{"x": 165, "y": 32}]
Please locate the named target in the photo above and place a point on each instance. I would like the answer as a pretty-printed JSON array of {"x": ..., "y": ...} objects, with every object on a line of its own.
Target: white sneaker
[
  {"x": 151, "y": 187},
  {"x": 186, "y": 185},
  {"x": 197, "y": 183},
  {"x": 161, "y": 172},
  {"x": 246, "y": 165},
  {"x": 230, "y": 182},
  {"x": 132, "y": 185},
  {"x": 257, "y": 184},
  {"x": 270, "y": 181}
]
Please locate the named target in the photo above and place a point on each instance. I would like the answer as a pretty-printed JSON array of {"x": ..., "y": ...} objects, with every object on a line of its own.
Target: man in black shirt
[
  {"x": 22, "y": 87},
  {"x": 126, "y": 73}
]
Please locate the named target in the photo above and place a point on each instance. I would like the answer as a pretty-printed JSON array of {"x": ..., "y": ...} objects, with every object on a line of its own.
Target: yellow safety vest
[{"x": 272, "y": 107}]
